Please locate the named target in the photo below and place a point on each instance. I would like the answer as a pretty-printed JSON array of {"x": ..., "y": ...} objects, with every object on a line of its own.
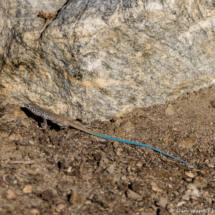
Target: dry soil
[{"x": 66, "y": 171}]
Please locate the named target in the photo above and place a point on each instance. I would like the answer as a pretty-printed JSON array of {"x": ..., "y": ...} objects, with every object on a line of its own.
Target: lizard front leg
[{"x": 45, "y": 124}]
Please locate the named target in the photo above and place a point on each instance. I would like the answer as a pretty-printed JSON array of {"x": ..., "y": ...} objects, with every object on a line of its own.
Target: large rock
[{"x": 98, "y": 59}]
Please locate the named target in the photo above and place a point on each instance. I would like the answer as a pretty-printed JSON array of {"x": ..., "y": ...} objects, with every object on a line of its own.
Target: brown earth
[{"x": 66, "y": 171}]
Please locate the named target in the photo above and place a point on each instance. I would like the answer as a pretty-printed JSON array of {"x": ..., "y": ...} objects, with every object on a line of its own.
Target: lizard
[{"x": 64, "y": 122}]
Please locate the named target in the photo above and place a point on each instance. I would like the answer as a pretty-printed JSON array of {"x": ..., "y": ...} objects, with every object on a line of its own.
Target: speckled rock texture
[{"x": 100, "y": 59}]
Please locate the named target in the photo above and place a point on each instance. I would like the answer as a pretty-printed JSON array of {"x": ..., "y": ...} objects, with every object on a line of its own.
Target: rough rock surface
[{"x": 99, "y": 59}]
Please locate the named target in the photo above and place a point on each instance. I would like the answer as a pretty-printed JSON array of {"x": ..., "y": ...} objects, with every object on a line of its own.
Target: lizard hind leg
[{"x": 62, "y": 126}]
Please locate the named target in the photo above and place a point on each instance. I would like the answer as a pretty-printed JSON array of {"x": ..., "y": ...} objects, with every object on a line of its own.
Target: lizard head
[
  {"x": 28, "y": 106},
  {"x": 31, "y": 106},
  {"x": 37, "y": 110}
]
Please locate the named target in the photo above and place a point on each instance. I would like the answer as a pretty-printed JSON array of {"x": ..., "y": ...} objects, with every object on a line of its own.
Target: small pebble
[
  {"x": 189, "y": 180},
  {"x": 10, "y": 195},
  {"x": 211, "y": 165},
  {"x": 206, "y": 195},
  {"x": 76, "y": 198},
  {"x": 15, "y": 136},
  {"x": 190, "y": 174},
  {"x": 191, "y": 186},
  {"x": 27, "y": 189},
  {"x": 48, "y": 195},
  {"x": 200, "y": 182},
  {"x": 162, "y": 202},
  {"x": 88, "y": 202},
  {"x": 156, "y": 189},
  {"x": 34, "y": 212},
  {"x": 139, "y": 164},
  {"x": 119, "y": 151},
  {"x": 195, "y": 193},
  {"x": 170, "y": 186},
  {"x": 110, "y": 169},
  {"x": 124, "y": 177},
  {"x": 115, "y": 144},
  {"x": 61, "y": 206},
  {"x": 153, "y": 184},
  {"x": 187, "y": 195},
  {"x": 181, "y": 203},
  {"x": 69, "y": 170},
  {"x": 133, "y": 195}
]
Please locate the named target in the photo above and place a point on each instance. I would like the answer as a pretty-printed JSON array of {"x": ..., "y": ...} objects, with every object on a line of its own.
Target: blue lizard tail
[{"x": 138, "y": 144}]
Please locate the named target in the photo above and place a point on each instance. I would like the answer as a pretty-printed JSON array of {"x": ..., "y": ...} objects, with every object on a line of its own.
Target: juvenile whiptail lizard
[{"x": 64, "y": 122}]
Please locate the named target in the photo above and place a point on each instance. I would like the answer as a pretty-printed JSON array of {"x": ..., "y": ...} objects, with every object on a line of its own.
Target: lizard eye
[{"x": 27, "y": 106}]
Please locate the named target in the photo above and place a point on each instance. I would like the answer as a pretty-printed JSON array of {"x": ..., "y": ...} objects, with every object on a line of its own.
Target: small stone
[
  {"x": 189, "y": 180},
  {"x": 156, "y": 189},
  {"x": 190, "y": 174},
  {"x": 200, "y": 182},
  {"x": 133, "y": 195},
  {"x": 25, "y": 123},
  {"x": 162, "y": 202},
  {"x": 195, "y": 193},
  {"x": 128, "y": 169},
  {"x": 61, "y": 206},
  {"x": 31, "y": 142},
  {"x": 76, "y": 198},
  {"x": 191, "y": 186},
  {"x": 144, "y": 192},
  {"x": 110, "y": 169},
  {"x": 170, "y": 110},
  {"x": 153, "y": 184},
  {"x": 69, "y": 170},
  {"x": 139, "y": 164},
  {"x": 34, "y": 212},
  {"x": 211, "y": 165},
  {"x": 15, "y": 136},
  {"x": 193, "y": 198},
  {"x": 119, "y": 151},
  {"x": 206, "y": 195},
  {"x": 187, "y": 195},
  {"x": 124, "y": 177},
  {"x": 181, "y": 203},
  {"x": 47, "y": 195},
  {"x": 10, "y": 195},
  {"x": 88, "y": 202},
  {"x": 27, "y": 189},
  {"x": 115, "y": 144},
  {"x": 21, "y": 180}
]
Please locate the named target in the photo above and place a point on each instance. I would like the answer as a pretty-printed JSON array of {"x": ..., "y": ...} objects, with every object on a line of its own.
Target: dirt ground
[{"x": 66, "y": 171}]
